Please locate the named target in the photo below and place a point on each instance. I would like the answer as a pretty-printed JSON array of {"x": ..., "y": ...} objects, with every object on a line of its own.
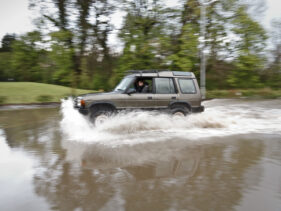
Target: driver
[{"x": 141, "y": 86}]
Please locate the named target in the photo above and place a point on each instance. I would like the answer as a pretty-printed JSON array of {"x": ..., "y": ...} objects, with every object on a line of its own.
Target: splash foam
[{"x": 221, "y": 118}]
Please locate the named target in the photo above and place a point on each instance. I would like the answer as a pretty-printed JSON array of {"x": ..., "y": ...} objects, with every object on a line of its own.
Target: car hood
[{"x": 100, "y": 96}]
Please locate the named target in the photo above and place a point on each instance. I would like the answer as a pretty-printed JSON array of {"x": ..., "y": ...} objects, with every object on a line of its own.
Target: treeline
[{"x": 71, "y": 44}]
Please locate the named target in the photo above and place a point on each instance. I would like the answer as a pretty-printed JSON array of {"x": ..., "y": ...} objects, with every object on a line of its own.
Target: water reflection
[
  {"x": 176, "y": 174},
  {"x": 168, "y": 159}
]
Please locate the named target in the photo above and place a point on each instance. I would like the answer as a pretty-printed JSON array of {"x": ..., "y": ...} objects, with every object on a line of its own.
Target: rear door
[{"x": 165, "y": 92}]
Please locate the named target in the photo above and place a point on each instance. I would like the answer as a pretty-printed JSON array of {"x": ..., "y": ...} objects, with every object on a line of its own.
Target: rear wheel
[
  {"x": 178, "y": 114},
  {"x": 180, "y": 111}
]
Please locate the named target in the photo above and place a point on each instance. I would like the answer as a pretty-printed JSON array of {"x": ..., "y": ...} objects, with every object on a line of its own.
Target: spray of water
[{"x": 221, "y": 118}]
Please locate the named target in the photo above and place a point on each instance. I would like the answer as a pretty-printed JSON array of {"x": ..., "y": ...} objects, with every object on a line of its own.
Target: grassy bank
[
  {"x": 266, "y": 93},
  {"x": 29, "y": 92}
]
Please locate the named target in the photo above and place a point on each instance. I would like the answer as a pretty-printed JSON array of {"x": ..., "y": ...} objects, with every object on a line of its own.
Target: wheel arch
[{"x": 102, "y": 104}]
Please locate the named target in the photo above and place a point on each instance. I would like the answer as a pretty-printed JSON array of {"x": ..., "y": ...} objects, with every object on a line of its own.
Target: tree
[
  {"x": 26, "y": 57},
  {"x": 185, "y": 43},
  {"x": 154, "y": 37},
  {"x": 101, "y": 53},
  {"x": 276, "y": 41},
  {"x": 64, "y": 59},
  {"x": 6, "y": 69},
  {"x": 218, "y": 43},
  {"x": 83, "y": 36},
  {"x": 61, "y": 56},
  {"x": 7, "y": 42},
  {"x": 84, "y": 7},
  {"x": 250, "y": 48},
  {"x": 186, "y": 56},
  {"x": 141, "y": 34},
  {"x": 272, "y": 75}
]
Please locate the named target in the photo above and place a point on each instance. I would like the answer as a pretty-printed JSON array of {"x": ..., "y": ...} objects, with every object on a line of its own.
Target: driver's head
[{"x": 140, "y": 83}]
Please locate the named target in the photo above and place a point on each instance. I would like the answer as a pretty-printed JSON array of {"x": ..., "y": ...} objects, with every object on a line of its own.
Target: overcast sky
[{"x": 16, "y": 18}]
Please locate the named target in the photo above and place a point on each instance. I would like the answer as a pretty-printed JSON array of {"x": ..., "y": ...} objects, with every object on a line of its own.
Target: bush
[
  {"x": 218, "y": 94},
  {"x": 3, "y": 99}
]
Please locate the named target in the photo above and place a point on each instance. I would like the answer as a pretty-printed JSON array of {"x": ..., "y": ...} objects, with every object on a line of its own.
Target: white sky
[
  {"x": 273, "y": 11},
  {"x": 16, "y": 18}
]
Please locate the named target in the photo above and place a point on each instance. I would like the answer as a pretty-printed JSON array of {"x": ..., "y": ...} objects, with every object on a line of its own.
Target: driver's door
[{"x": 141, "y": 100}]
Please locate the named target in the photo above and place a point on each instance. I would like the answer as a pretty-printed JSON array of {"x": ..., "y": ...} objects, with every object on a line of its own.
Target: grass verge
[
  {"x": 265, "y": 93},
  {"x": 29, "y": 92}
]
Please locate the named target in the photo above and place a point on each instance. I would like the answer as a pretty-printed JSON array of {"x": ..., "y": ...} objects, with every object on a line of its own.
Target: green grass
[
  {"x": 244, "y": 93},
  {"x": 29, "y": 92}
]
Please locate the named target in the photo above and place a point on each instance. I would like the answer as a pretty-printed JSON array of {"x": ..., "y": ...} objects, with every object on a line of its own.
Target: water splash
[{"x": 221, "y": 118}]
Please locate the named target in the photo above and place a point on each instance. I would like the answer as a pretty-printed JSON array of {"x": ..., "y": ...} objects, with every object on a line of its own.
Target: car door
[
  {"x": 141, "y": 100},
  {"x": 165, "y": 92}
]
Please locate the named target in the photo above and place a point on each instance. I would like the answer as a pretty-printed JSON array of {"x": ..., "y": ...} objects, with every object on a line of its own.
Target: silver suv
[{"x": 174, "y": 92}]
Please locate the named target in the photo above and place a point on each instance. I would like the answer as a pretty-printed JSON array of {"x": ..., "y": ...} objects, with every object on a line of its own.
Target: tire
[
  {"x": 180, "y": 111},
  {"x": 99, "y": 115}
]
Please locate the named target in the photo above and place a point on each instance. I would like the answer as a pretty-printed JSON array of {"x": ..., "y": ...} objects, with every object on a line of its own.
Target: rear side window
[
  {"x": 187, "y": 86},
  {"x": 164, "y": 86}
]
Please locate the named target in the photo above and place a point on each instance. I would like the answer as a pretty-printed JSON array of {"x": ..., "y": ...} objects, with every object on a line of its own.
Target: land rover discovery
[{"x": 174, "y": 92}]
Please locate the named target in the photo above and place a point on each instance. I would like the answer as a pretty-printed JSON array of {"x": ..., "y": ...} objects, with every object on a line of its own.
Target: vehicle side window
[
  {"x": 142, "y": 85},
  {"x": 164, "y": 86},
  {"x": 187, "y": 86}
]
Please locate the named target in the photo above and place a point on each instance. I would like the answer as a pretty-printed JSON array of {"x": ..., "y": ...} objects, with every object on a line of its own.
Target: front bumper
[
  {"x": 83, "y": 111},
  {"x": 198, "y": 109}
]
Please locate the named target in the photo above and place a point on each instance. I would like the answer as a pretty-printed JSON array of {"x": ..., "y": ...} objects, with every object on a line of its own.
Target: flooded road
[{"x": 227, "y": 158}]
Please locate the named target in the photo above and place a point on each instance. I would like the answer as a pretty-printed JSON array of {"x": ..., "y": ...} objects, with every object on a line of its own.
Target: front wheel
[
  {"x": 100, "y": 119},
  {"x": 99, "y": 116}
]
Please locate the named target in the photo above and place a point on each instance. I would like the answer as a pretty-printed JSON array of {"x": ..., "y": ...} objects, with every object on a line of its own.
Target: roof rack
[
  {"x": 181, "y": 73},
  {"x": 145, "y": 71},
  {"x": 175, "y": 73}
]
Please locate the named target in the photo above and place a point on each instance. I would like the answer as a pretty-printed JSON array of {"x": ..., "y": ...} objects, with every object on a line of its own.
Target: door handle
[
  {"x": 149, "y": 98},
  {"x": 173, "y": 98}
]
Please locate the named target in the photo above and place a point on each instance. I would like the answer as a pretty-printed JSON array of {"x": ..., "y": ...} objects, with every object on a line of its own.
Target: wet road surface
[{"x": 227, "y": 158}]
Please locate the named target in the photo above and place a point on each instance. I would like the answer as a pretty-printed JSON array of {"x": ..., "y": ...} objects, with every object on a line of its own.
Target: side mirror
[{"x": 131, "y": 91}]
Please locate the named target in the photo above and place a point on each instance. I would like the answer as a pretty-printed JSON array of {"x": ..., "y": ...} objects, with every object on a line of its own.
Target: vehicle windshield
[{"x": 124, "y": 84}]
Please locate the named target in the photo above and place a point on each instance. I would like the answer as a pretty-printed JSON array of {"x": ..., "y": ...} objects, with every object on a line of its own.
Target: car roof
[{"x": 160, "y": 73}]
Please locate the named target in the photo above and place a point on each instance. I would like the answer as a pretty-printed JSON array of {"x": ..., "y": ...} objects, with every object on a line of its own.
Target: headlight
[{"x": 79, "y": 103}]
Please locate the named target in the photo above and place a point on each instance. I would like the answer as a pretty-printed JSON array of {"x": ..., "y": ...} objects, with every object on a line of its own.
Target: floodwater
[{"x": 227, "y": 158}]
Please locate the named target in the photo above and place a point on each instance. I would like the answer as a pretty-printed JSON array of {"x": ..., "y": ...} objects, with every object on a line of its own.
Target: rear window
[
  {"x": 164, "y": 86},
  {"x": 187, "y": 86}
]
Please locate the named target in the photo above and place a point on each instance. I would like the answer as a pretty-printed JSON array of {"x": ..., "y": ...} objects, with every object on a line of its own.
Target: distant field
[{"x": 29, "y": 92}]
